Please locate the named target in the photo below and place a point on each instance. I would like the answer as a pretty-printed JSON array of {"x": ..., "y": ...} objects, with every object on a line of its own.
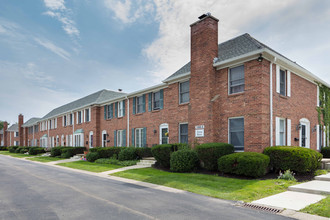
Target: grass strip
[
  {"x": 45, "y": 159},
  {"x": 88, "y": 166},
  {"x": 321, "y": 208}
]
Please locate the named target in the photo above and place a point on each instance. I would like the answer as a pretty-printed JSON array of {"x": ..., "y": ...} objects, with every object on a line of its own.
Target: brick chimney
[
  {"x": 20, "y": 129},
  {"x": 5, "y": 127},
  {"x": 204, "y": 48}
]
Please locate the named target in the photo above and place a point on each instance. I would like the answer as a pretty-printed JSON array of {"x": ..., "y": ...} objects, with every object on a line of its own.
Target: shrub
[
  {"x": 106, "y": 152},
  {"x": 56, "y": 151},
  {"x": 36, "y": 150},
  {"x": 3, "y": 148},
  {"x": 143, "y": 152},
  {"x": 162, "y": 154},
  {"x": 244, "y": 163},
  {"x": 287, "y": 175},
  {"x": 128, "y": 153},
  {"x": 12, "y": 149},
  {"x": 66, "y": 152},
  {"x": 209, "y": 153},
  {"x": 297, "y": 159},
  {"x": 116, "y": 162},
  {"x": 92, "y": 156},
  {"x": 185, "y": 160},
  {"x": 320, "y": 172},
  {"x": 325, "y": 151}
]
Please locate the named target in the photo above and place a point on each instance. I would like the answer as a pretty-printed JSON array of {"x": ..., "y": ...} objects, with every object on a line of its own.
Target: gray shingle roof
[
  {"x": 31, "y": 122},
  {"x": 235, "y": 47},
  {"x": 95, "y": 98},
  {"x": 13, "y": 127}
]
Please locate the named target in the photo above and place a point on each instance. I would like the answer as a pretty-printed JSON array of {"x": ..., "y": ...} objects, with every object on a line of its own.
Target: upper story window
[
  {"x": 71, "y": 118},
  {"x": 236, "y": 79},
  {"x": 282, "y": 82},
  {"x": 184, "y": 92},
  {"x": 156, "y": 100},
  {"x": 36, "y": 128},
  {"x": 87, "y": 115},
  {"x": 139, "y": 104},
  {"x": 79, "y": 117},
  {"x": 121, "y": 108},
  {"x": 64, "y": 120},
  {"x": 16, "y": 134}
]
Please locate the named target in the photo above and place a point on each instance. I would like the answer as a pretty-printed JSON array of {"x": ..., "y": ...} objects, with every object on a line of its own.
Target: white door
[
  {"x": 304, "y": 136},
  {"x": 163, "y": 134}
]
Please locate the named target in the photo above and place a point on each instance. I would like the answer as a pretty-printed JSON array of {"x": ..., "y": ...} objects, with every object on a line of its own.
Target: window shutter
[
  {"x": 116, "y": 109},
  {"x": 63, "y": 121},
  {"x": 318, "y": 137},
  {"x": 277, "y": 78},
  {"x": 150, "y": 102},
  {"x": 115, "y": 138},
  {"x": 161, "y": 100},
  {"x": 134, "y": 100},
  {"x": 124, "y": 137},
  {"x": 124, "y": 107},
  {"x": 90, "y": 114},
  {"x": 144, "y": 103},
  {"x": 111, "y": 110},
  {"x": 133, "y": 137},
  {"x": 277, "y": 131},
  {"x": 55, "y": 122},
  {"x": 288, "y": 92},
  {"x": 144, "y": 143},
  {"x": 288, "y": 122}
]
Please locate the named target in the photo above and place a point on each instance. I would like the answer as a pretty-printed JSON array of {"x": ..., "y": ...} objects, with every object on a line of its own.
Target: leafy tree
[{"x": 324, "y": 110}]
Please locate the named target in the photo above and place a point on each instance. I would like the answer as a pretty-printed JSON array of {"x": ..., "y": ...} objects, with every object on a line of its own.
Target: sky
[{"x": 53, "y": 52}]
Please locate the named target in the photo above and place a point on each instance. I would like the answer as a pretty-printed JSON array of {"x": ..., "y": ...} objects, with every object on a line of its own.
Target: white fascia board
[
  {"x": 147, "y": 90},
  {"x": 178, "y": 78}
]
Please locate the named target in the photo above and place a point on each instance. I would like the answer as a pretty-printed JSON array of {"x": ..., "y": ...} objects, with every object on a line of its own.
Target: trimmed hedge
[
  {"x": 66, "y": 152},
  {"x": 106, "y": 152},
  {"x": 92, "y": 156},
  {"x": 185, "y": 160},
  {"x": 116, "y": 162},
  {"x": 162, "y": 153},
  {"x": 36, "y": 150},
  {"x": 128, "y": 153},
  {"x": 12, "y": 149},
  {"x": 3, "y": 148},
  {"x": 325, "y": 151},
  {"x": 209, "y": 153},
  {"x": 244, "y": 163},
  {"x": 143, "y": 152},
  {"x": 297, "y": 159}
]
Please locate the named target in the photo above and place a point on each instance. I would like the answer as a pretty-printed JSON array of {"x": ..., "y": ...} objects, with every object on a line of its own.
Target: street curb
[{"x": 285, "y": 212}]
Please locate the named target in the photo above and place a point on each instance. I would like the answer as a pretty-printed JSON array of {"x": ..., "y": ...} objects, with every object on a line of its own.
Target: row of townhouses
[{"x": 240, "y": 91}]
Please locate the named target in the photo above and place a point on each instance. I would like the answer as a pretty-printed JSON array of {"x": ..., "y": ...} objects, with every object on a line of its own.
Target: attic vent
[{"x": 204, "y": 15}]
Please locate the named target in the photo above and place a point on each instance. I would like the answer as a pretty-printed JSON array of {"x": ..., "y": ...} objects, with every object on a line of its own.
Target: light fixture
[
  {"x": 260, "y": 58},
  {"x": 314, "y": 128},
  {"x": 298, "y": 126}
]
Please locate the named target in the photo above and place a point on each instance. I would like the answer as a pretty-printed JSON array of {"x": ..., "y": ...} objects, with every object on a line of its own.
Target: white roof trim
[{"x": 177, "y": 78}]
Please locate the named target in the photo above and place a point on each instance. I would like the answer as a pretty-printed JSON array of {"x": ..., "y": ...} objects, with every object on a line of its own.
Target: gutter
[
  {"x": 271, "y": 100},
  {"x": 127, "y": 136}
]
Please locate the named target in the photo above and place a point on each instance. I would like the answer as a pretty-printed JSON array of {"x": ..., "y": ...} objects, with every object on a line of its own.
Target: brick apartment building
[{"x": 240, "y": 91}]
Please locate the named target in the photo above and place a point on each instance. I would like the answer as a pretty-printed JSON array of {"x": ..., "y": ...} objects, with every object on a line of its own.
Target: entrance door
[
  {"x": 304, "y": 140},
  {"x": 163, "y": 139}
]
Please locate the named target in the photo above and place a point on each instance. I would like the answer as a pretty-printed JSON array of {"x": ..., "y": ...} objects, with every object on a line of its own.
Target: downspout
[
  {"x": 73, "y": 119},
  {"x": 49, "y": 140},
  {"x": 33, "y": 135},
  {"x": 271, "y": 100},
  {"x": 127, "y": 136}
]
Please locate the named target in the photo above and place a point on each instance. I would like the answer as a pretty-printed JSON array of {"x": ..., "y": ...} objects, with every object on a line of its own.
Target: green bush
[
  {"x": 12, "y": 149},
  {"x": 209, "y": 153},
  {"x": 325, "y": 151},
  {"x": 143, "y": 152},
  {"x": 244, "y": 163},
  {"x": 287, "y": 175},
  {"x": 66, "y": 152},
  {"x": 320, "y": 172},
  {"x": 3, "y": 148},
  {"x": 56, "y": 151},
  {"x": 297, "y": 159},
  {"x": 162, "y": 154},
  {"x": 92, "y": 156},
  {"x": 184, "y": 160},
  {"x": 36, "y": 150},
  {"x": 116, "y": 162},
  {"x": 128, "y": 153},
  {"x": 106, "y": 152}
]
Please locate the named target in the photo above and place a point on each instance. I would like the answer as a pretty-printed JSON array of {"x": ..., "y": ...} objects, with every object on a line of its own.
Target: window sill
[
  {"x": 236, "y": 94},
  {"x": 154, "y": 111},
  {"x": 120, "y": 117},
  {"x": 183, "y": 104},
  {"x": 283, "y": 96},
  {"x": 141, "y": 113}
]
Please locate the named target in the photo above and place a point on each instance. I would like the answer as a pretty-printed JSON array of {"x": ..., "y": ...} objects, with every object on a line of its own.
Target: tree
[
  {"x": 1, "y": 125},
  {"x": 324, "y": 110}
]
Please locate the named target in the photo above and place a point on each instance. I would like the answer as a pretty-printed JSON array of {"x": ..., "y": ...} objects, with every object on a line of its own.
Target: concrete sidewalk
[
  {"x": 299, "y": 196},
  {"x": 124, "y": 168}
]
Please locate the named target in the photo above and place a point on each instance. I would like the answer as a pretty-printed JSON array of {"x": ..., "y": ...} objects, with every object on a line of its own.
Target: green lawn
[
  {"x": 321, "y": 208},
  {"x": 45, "y": 159},
  {"x": 93, "y": 167},
  {"x": 17, "y": 154},
  {"x": 210, "y": 185}
]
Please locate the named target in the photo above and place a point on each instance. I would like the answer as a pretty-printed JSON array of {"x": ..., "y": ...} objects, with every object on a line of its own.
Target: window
[
  {"x": 236, "y": 79},
  {"x": 91, "y": 139},
  {"x": 163, "y": 138},
  {"x": 183, "y": 133},
  {"x": 87, "y": 115},
  {"x": 69, "y": 141},
  {"x": 236, "y": 133},
  {"x": 139, "y": 104},
  {"x": 16, "y": 134},
  {"x": 184, "y": 92},
  {"x": 64, "y": 120},
  {"x": 282, "y": 82},
  {"x": 36, "y": 128},
  {"x": 121, "y": 109},
  {"x": 50, "y": 124},
  {"x": 282, "y": 132},
  {"x": 78, "y": 140},
  {"x": 104, "y": 138},
  {"x": 71, "y": 118},
  {"x": 79, "y": 117},
  {"x": 110, "y": 111},
  {"x": 120, "y": 138},
  {"x": 139, "y": 137},
  {"x": 156, "y": 101}
]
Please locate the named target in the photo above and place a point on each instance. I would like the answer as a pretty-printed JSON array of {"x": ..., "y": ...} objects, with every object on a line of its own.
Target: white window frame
[
  {"x": 104, "y": 132},
  {"x": 183, "y": 123},
  {"x": 62, "y": 140},
  {"x": 238, "y": 65},
  {"x": 89, "y": 115},
  {"x": 180, "y": 101},
  {"x": 153, "y": 101},
  {"x": 278, "y": 131},
  {"x": 121, "y": 109},
  {"x": 138, "y": 143},
  {"x": 138, "y": 104},
  {"x": 79, "y": 140},
  {"x": 229, "y": 139},
  {"x": 91, "y": 134},
  {"x": 162, "y": 126}
]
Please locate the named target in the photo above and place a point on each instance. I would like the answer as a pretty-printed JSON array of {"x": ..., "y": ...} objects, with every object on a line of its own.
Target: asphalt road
[{"x": 35, "y": 191}]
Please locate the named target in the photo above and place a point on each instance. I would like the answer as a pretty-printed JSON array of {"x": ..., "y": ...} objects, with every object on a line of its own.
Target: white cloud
[
  {"x": 53, "y": 48},
  {"x": 58, "y": 11}
]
